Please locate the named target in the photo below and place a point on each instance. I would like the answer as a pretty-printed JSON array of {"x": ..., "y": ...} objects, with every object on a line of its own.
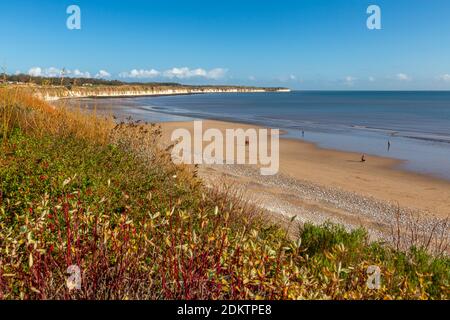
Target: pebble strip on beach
[{"x": 283, "y": 195}]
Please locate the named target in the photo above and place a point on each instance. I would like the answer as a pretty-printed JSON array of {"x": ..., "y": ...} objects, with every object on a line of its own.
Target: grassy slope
[{"x": 77, "y": 190}]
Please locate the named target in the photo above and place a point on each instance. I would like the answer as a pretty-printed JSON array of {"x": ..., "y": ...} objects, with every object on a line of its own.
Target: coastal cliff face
[{"x": 59, "y": 92}]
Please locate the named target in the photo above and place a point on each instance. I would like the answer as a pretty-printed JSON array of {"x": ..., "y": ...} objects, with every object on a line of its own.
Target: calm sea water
[{"x": 417, "y": 124}]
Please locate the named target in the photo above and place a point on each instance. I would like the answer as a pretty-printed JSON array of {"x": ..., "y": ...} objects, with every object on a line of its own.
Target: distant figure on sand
[
  {"x": 303, "y": 133},
  {"x": 363, "y": 158},
  {"x": 389, "y": 145}
]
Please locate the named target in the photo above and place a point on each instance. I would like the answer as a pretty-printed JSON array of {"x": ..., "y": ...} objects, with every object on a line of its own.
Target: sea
[{"x": 409, "y": 126}]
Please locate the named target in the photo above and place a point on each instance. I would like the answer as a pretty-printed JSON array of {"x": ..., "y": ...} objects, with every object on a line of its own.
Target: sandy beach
[{"x": 319, "y": 185}]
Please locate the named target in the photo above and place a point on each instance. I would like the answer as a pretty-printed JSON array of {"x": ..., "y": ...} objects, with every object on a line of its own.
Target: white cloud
[
  {"x": 286, "y": 78},
  {"x": 445, "y": 77},
  {"x": 140, "y": 74},
  {"x": 53, "y": 72},
  {"x": 79, "y": 74},
  {"x": 252, "y": 78},
  {"x": 371, "y": 79},
  {"x": 35, "y": 72},
  {"x": 182, "y": 73},
  {"x": 178, "y": 73},
  {"x": 103, "y": 74},
  {"x": 186, "y": 73},
  {"x": 174, "y": 73},
  {"x": 56, "y": 72},
  {"x": 349, "y": 80},
  {"x": 217, "y": 73},
  {"x": 402, "y": 77}
]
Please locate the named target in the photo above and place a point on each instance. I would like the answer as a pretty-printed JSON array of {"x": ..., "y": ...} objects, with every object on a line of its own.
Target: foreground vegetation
[{"x": 76, "y": 189}]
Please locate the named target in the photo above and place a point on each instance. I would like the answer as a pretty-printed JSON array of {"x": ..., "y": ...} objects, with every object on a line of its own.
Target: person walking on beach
[
  {"x": 363, "y": 158},
  {"x": 389, "y": 145},
  {"x": 303, "y": 133}
]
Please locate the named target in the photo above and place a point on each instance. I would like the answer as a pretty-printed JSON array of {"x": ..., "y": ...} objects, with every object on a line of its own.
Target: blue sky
[{"x": 303, "y": 44}]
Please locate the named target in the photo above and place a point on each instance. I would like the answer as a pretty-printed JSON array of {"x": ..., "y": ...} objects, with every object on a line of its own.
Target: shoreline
[
  {"x": 424, "y": 157},
  {"x": 318, "y": 185}
]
